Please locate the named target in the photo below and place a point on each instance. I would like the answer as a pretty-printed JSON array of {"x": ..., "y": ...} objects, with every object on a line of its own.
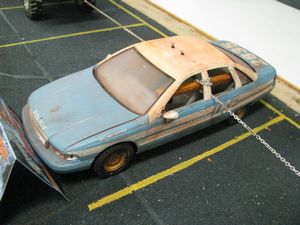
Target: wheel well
[
  {"x": 126, "y": 143},
  {"x": 120, "y": 143}
]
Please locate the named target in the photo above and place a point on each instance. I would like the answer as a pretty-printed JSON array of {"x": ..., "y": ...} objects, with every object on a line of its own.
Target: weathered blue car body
[
  {"x": 76, "y": 108},
  {"x": 70, "y": 121},
  {"x": 77, "y": 115}
]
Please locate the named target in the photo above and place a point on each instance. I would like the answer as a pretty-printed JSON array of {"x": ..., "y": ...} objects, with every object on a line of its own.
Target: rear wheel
[
  {"x": 82, "y": 6},
  {"x": 113, "y": 160},
  {"x": 241, "y": 113},
  {"x": 33, "y": 8}
]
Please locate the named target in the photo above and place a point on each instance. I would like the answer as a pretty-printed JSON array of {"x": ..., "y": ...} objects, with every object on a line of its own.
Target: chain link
[{"x": 206, "y": 82}]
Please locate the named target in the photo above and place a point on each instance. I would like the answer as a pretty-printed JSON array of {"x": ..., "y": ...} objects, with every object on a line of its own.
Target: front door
[{"x": 194, "y": 108}]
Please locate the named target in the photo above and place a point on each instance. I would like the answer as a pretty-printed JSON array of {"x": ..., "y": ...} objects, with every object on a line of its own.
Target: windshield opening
[{"x": 132, "y": 80}]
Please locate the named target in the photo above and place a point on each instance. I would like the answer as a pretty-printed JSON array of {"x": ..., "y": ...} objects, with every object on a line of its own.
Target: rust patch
[
  {"x": 198, "y": 55},
  {"x": 3, "y": 151},
  {"x": 55, "y": 109}
]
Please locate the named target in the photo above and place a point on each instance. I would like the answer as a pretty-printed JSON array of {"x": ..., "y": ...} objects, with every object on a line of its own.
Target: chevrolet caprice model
[{"x": 140, "y": 97}]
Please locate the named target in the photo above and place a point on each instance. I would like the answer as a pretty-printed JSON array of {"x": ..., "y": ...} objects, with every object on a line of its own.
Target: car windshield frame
[{"x": 138, "y": 93}]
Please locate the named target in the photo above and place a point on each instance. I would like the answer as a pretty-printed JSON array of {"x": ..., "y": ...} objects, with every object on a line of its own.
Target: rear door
[{"x": 224, "y": 88}]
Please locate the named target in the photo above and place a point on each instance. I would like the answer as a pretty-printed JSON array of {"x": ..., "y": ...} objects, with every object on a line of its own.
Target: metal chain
[
  {"x": 206, "y": 82},
  {"x": 113, "y": 20}
]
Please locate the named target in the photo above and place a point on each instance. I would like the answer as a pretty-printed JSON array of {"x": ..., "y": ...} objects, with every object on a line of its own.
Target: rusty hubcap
[
  {"x": 241, "y": 112},
  {"x": 115, "y": 161}
]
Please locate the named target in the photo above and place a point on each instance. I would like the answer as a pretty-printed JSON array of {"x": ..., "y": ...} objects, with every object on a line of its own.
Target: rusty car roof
[{"x": 188, "y": 55}]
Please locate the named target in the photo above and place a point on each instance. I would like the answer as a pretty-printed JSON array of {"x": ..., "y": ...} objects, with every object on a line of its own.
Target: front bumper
[{"x": 50, "y": 158}]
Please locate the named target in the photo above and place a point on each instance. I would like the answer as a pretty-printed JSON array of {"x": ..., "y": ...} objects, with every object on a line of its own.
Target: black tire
[
  {"x": 241, "y": 113},
  {"x": 33, "y": 9},
  {"x": 107, "y": 164},
  {"x": 82, "y": 6}
]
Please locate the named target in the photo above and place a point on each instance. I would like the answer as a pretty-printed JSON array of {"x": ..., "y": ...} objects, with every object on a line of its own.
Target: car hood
[{"x": 75, "y": 107}]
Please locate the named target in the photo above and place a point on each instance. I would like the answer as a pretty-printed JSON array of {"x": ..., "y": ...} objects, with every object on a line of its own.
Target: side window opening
[
  {"x": 221, "y": 80},
  {"x": 188, "y": 92},
  {"x": 243, "y": 77}
]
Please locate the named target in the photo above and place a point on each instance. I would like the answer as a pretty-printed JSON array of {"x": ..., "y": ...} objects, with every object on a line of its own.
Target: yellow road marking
[
  {"x": 138, "y": 18},
  {"x": 280, "y": 113},
  {"x": 70, "y": 35},
  {"x": 12, "y": 7},
  {"x": 181, "y": 166},
  {"x": 21, "y": 6}
]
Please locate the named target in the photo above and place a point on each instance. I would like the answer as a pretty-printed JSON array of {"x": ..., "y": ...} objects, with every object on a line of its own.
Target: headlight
[
  {"x": 38, "y": 130},
  {"x": 68, "y": 157}
]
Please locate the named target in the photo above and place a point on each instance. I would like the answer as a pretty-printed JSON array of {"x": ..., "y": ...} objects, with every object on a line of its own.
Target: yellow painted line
[
  {"x": 177, "y": 168},
  {"x": 138, "y": 18},
  {"x": 12, "y": 7},
  {"x": 70, "y": 35},
  {"x": 21, "y": 6},
  {"x": 280, "y": 113}
]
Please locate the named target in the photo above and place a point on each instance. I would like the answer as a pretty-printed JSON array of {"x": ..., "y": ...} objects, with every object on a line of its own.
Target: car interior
[{"x": 191, "y": 90}]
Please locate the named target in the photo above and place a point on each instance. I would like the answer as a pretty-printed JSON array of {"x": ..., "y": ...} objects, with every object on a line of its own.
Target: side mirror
[{"x": 171, "y": 115}]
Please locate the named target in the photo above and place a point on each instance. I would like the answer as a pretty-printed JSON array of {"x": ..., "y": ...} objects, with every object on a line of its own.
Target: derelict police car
[{"x": 140, "y": 97}]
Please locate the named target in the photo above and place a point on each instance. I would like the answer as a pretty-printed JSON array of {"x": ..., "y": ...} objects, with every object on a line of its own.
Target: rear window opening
[
  {"x": 235, "y": 59},
  {"x": 243, "y": 77}
]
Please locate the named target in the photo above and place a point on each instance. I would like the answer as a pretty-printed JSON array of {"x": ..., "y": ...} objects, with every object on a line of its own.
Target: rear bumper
[{"x": 50, "y": 158}]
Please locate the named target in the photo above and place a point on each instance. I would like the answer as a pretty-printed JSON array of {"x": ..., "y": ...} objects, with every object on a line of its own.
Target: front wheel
[
  {"x": 113, "y": 160},
  {"x": 33, "y": 8},
  {"x": 82, "y": 6}
]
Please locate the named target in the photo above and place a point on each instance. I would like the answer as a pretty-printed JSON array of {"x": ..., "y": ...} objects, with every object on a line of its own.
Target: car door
[
  {"x": 194, "y": 112},
  {"x": 225, "y": 91},
  {"x": 251, "y": 90}
]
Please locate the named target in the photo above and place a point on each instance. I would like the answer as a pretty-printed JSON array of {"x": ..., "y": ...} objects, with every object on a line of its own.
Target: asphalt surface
[{"x": 242, "y": 184}]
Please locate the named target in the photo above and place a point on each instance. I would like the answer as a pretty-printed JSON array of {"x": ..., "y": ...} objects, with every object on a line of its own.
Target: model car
[{"x": 138, "y": 98}]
